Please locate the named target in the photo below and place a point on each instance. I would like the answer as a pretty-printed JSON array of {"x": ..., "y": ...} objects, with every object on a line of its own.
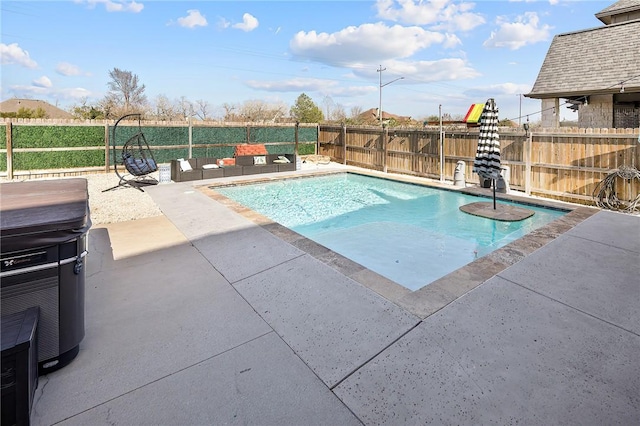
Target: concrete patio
[{"x": 201, "y": 316}]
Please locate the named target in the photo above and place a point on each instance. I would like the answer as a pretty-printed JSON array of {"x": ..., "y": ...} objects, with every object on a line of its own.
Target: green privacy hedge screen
[{"x": 62, "y": 146}]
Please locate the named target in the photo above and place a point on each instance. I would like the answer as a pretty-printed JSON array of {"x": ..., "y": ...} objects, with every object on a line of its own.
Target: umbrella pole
[{"x": 493, "y": 181}]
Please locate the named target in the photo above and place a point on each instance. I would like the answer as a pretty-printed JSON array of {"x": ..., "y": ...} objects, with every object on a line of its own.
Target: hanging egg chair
[{"x": 136, "y": 157}]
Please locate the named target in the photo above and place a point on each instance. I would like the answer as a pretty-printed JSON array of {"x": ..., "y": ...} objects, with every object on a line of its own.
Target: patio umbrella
[{"x": 487, "y": 162}]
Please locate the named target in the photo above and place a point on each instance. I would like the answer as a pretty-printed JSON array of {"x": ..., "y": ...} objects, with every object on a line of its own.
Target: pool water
[{"x": 408, "y": 233}]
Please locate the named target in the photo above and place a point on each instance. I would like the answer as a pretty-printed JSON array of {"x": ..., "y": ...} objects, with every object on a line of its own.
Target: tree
[
  {"x": 306, "y": 111},
  {"x": 328, "y": 104},
  {"x": 85, "y": 111},
  {"x": 26, "y": 113},
  {"x": 354, "y": 115},
  {"x": 184, "y": 108},
  {"x": 229, "y": 112},
  {"x": 261, "y": 111},
  {"x": 126, "y": 95},
  {"x": 338, "y": 113},
  {"x": 108, "y": 107},
  {"x": 163, "y": 109},
  {"x": 201, "y": 109},
  {"x": 355, "y": 111}
]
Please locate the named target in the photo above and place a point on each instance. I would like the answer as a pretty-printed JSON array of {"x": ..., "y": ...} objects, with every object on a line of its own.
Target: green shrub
[{"x": 306, "y": 148}]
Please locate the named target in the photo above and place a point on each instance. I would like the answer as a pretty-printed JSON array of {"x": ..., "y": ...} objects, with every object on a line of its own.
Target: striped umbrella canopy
[{"x": 487, "y": 162}]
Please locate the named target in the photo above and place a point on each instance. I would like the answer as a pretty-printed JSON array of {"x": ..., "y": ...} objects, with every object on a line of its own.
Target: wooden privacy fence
[{"x": 565, "y": 164}]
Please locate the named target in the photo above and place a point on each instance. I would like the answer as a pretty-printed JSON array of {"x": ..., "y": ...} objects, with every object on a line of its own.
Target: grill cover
[{"x": 42, "y": 213}]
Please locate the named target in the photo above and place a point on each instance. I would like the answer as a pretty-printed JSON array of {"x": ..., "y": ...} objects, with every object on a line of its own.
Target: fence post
[
  {"x": 343, "y": 135},
  {"x": 385, "y": 133},
  {"x": 107, "y": 147},
  {"x": 527, "y": 164},
  {"x": 442, "y": 157},
  {"x": 9, "y": 151},
  {"x": 190, "y": 139},
  {"x": 296, "y": 132},
  {"x": 441, "y": 144}
]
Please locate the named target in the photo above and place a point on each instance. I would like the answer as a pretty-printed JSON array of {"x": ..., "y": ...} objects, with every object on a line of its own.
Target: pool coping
[{"x": 439, "y": 293}]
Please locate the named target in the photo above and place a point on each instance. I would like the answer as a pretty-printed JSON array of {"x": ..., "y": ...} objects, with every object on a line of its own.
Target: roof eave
[{"x": 564, "y": 94}]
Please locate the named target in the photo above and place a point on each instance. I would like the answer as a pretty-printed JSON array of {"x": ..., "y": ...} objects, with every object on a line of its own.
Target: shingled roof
[
  {"x": 593, "y": 61},
  {"x": 14, "y": 104},
  {"x": 618, "y": 8},
  {"x": 371, "y": 116}
]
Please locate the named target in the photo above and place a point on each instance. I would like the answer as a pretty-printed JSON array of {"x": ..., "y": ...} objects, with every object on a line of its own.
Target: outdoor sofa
[{"x": 249, "y": 159}]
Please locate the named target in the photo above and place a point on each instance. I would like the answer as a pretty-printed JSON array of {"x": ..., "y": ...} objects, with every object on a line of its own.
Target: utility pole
[
  {"x": 520, "y": 114},
  {"x": 380, "y": 90},
  {"x": 381, "y": 86}
]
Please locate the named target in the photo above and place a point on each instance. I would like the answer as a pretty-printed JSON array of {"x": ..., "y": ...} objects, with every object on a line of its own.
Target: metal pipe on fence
[
  {"x": 527, "y": 164},
  {"x": 343, "y": 135},
  {"x": 385, "y": 138}
]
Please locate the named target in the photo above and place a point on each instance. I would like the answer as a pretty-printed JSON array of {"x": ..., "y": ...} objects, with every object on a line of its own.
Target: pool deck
[{"x": 211, "y": 314}]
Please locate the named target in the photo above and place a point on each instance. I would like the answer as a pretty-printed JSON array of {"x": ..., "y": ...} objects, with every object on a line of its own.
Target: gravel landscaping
[{"x": 118, "y": 205}]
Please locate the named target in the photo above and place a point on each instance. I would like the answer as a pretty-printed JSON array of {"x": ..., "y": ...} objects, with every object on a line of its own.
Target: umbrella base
[{"x": 502, "y": 212}]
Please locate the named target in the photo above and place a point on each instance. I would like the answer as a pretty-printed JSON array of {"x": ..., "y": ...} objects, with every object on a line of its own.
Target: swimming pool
[{"x": 411, "y": 234}]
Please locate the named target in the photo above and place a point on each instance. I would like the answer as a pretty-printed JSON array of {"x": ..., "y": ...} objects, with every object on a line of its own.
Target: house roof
[
  {"x": 14, "y": 104},
  {"x": 619, "y": 7},
  {"x": 372, "y": 114},
  {"x": 592, "y": 61}
]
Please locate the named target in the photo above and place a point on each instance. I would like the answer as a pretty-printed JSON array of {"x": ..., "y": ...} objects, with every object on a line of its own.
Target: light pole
[{"x": 381, "y": 86}]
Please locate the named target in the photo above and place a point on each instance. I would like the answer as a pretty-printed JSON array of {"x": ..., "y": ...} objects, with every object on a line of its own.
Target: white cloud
[
  {"x": 249, "y": 23},
  {"x": 297, "y": 85},
  {"x": 499, "y": 89},
  {"x": 75, "y": 93},
  {"x": 441, "y": 14},
  {"x": 365, "y": 43},
  {"x": 422, "y": 71},
  {"x": 38, "y": 91},
  {"x": 67, "y": 69},
  {"x": 14, "y": 54},
  {"x": 551, "y": 2},
  {"x": 350, "y": 91},
  {"x": 414, "y": 72},
  {"x": 193, "y": 19},
  {"x": 43, "y": 81},
  {"x": 514, "y": 35},
  {"x": 223, "y": 23},
  {"x": 116, "y": 5}
]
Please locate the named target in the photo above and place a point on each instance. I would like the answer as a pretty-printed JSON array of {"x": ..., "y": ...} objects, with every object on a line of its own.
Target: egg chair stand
[{"x": 134, "y": 163}]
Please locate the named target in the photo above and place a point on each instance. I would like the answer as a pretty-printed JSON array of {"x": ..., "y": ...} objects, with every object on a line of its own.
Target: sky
[{"x": 418, "y": 57}]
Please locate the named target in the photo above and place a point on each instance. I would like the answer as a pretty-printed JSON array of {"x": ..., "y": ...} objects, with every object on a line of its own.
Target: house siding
[
  {"x": 598, "y": 113},
  {"x": 550, "y": 113},
  {"x": 625, "y": 17}
]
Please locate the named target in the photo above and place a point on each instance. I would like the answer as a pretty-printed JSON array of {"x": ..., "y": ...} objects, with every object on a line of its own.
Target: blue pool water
[{"x": 408, "y": 233}]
